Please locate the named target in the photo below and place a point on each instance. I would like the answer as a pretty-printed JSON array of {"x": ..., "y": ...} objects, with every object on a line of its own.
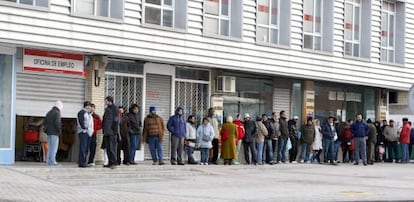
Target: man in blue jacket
[
  {"x": 177, "y": 127},
  {"x": 360, "y": 130},
  {"x": 329, "y": 133}
]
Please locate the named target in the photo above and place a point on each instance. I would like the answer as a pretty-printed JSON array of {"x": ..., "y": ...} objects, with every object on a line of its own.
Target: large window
[
  {"x": 273, "y": 17},
  {"x": 352, "y": 27},
  {"x": 41, "y": 3},
  {"x": 102, "y": 8},
  {"x": 392, "y": 28},
  {"x": 223, "y": 17},
  {"x": 318, "y": 25},
  {"x": 167, "y": 13}
]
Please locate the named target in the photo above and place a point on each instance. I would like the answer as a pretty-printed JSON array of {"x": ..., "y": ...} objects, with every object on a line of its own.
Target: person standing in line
[
  {"x": 391, "y": 136},
  {"x": 360, "y": 130},
  {"x": 337, "y": 141},
  {"x": 177, "y": 127},
  {"x": 110, "y": 129},
  {"x": 347, "y": 143},
  {"x": 97, "y": 125},
  {"x": 153, "y": 134},
  {"x": 371, "y": 141},
  {"x": 405, "y": 140},
  {"x": 307, "y": 138},
  {"x": 379, "y": 146},
  {"x": 121, "y": 111},
  {"x": 317, "y": 142},
  {"x": 214, "y": 123},
  {"x": 284, "y": 135},
  {"x": 205, "y": 134},
  {"x": 329, "y": 132},
  {"x": 228, "y": 136},
  {"x": 134, "y": 118},
  {"x": 268, "y": 148},
  {"x": 43, "y": 141},
  {"x": 293, "y": 136},
  {"x": 53, "y": 128},
  {"x": 260, "y": 139},
  {"x": 190, "y": 139},
  {"x": 249, "y": 140},
  {"x": 240, "y": 135},
  {"x": 125, "y": 128},
  {"x": 410, "y": 146},
  {"x": 85, "y": 131},
  {"x": 275, "y": 136}
]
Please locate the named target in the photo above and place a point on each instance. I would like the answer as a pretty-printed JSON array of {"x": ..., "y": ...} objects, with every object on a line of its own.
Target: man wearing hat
[
  {"x": 85, "y": 130},
  {"x": 153, "y": 134}
]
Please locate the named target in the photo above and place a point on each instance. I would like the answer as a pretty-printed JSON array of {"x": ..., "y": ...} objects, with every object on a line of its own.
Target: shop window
[
  {"x": 166, "y": 13},
  {"x": 192, "y": 74},
  {"x": 357, "y": 28},
  {"x": 273, "y": 17},
  {"x": 392, "y": 97},
  {"x": 41, "y": 3},
  {"x": 392, "y": 27},
  {"x": 223, "y": 17},
  {"x": 102, "y": 8},
  {"x": 318, "y": 25}
]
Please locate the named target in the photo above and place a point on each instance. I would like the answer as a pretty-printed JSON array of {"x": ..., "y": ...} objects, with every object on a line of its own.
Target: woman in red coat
[
  {"x": 347, "y": 143},
  {"x": 240, "y": 135}
]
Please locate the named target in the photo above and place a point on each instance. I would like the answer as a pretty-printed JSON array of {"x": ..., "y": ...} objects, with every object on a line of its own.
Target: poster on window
[
  {"x": 332, "y": 95},
  {"x": 53, "y": 62}
]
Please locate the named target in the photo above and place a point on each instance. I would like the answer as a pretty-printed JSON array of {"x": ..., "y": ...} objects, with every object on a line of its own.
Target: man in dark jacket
[
  {"x": 371, "y": 141},
  {"x": 177, "y": 127},
  {"x": 329, "y": 133},
  {"x": 134, "y": 130},
  {"x": 307, "y": 138},
  {"x": 293, "y": 136},
  {"x": 360, "y": 130},
  {"x": 248, "y": 140},
  {"x": 268, "y": 140},
  {"x": 276, "y": 135},
  {"x": 110, "y": 127},
  {"x": 53, "y": 129},
  {"x": 284, "y": 135}
]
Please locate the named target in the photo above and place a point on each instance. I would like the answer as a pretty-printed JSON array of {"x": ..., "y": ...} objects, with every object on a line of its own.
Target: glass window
[
  {"x": 40, "y": 3},
  {"x": 387, "y": 32},
  {"x": 166, "y": 13},
  {"x": 313, "y": 24},
  {"x": 6, "y": 94},
  {"x": 192, "y": 74},
  {"x": 221, "y": 17},
  {"x": 268, "y": 21},
  {"x": 352, "y": 24},
  {"x": 102, "y": 8},
  {"x": 125, "y": 67}
]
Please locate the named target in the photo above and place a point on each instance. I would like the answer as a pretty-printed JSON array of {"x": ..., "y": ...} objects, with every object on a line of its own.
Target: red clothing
[
  {"x": 405, "y": 134},
  {"x": 347, "y": 139},
  {"x": 240, "y": 129},
  {"x": 97, "y": 124}
]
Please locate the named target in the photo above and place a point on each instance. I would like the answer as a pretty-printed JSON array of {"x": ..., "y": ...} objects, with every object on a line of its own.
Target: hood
[
  {"x": 178, "y": 109},
  {"x": 59, "y": 105}
]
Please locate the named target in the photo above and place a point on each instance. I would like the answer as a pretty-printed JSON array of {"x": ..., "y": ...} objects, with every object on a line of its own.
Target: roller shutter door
[{"x": 281, "y": 100}]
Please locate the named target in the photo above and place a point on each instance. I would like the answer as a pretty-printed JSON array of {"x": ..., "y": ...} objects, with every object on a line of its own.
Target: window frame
[
  {"x": 161, "y": 7},
  {"x": 388, "y": 48},
  {"x": 27, "y": 6},
  {"x": 269, "y": 26},
  {"x": 314, "y": 34},
  {"x": 219, "y": 17},
  {"x": 353, "y": 41},
  {"x": 99, "y": 17}
]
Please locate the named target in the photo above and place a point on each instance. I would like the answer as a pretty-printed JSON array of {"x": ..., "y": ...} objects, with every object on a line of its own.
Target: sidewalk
[{"x": 144, "y": 182}]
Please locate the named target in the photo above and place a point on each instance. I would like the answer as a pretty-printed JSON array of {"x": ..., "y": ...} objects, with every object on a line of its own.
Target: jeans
[
  {"x": 404, "y": 150},
  {"x": 393, "y": 151},
  {"x": 269, "y": 150},
  {"x": 281, "y": 150},
  {"x": 135, "y": 144},
  {"x": 360, "y": 149},
  {"x": 328, "y": 149},
  {"x": 53, "y": 142},
  {"x": 111, "y": 144},
  {"x": 250, "y": 149},
  {"x": 205, "y": 155},
  {"x": 337, "y": 144},
  {"x": 305, "y": 152},
  {"x": 83, "y": 148},
  {"x": 259, "y": 150},
  {"x": 315, "y": 157},
  {"x": 92, "y": 149},
  {"x": 155, "y": 147},
  {"x": 177, "y": 147},
  {"x": 190, "y": 151}
]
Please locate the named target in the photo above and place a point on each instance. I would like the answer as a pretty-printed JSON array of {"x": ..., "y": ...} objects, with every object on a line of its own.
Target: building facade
[{"x": 308, "y": 57}]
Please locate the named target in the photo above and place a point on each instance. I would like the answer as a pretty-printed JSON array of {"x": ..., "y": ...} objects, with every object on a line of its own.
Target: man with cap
[
  {"x": 53, "y": 128},
  {"x": 153, "y": 134},
  {"x": 248, "y": 140},
  {"x": 85, "y": 131},
  {"x": 405, "y": 140}
]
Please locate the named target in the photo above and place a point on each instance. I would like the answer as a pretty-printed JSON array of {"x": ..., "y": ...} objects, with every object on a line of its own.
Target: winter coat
[
  {"x": 360, "y": 129},
  {"x": 190, "y": 132},
  {"x": 153, "y": 126},
  {"x": 176, "y": 124},
  {"x": 347, "y": 139},
  {"x": 262, "y": 132},
  {"x": 372, "y": 135},
  {"x": 97, "y": 123},
  {"x": 269, "y": 128},
  {"x": 276, "y": 128},
  {"x": 228, "y": 146},
  {"x": 405, "y": 134},
  {"x": 53, "y": 122},
  {"x": 205, "y": 135},
  {"x": 85, "y": 122},
  {"x": 250, "y": 131},
  {"x": 328, "y": 132},
  {"x": 214, "y": 123},
  {"x": 110, "y": 123},
  {"x": 125, "y": 126},
  {"x": 317, "y": 142},
  {"x": 391, "y": 133},
  {"x": 293, "y": 131},
  {"x": 284, "y": 130},
  {"x": 240, "y": 129},
  {"x": 308, "y": 134},
  {"x": 135, "y": 122}
]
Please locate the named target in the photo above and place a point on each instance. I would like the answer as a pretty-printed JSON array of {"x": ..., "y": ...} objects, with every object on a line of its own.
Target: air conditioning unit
[{"x": 226, "y": 84}]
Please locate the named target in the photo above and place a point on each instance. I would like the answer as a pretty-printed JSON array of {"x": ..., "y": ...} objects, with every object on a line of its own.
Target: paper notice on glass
[
  {"x": 340, "y": 96},
  {"x": 332, "y": 95}
]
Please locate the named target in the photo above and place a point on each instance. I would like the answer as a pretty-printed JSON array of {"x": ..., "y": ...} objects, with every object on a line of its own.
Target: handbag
[{"x": 224, "y": 135}]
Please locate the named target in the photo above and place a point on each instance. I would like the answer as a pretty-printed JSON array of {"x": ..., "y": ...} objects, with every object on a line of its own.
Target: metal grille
[
  {"x": 125, "y": 90},
  {"x": 193, "y": 98}
]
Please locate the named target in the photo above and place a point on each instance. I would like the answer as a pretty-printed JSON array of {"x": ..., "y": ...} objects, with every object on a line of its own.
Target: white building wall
[{"x": 57, "y": 28}]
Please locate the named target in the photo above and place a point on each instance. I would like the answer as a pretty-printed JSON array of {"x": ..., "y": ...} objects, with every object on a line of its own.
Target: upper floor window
[
  {"x": 41, "y": 3},
  {"x": 318, "y": 25},
  {"x": 392, "y": 28},
  {"x": 273, "y": 17},
  {"x": 223, "y": 17},
  {"x": 103, "y": 8},
  {"x": 357, "y": 28},
  {"x": 167, "y": 13}
]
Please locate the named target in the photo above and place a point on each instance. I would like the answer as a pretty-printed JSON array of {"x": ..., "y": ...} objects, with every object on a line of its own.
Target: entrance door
[{"x": 158, "y": 93}]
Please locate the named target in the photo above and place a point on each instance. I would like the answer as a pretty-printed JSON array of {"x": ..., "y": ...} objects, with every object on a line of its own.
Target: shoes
[
  {"x": 106, "y": 166},
  {"x": 173, "y": 163},
  {"x": 91, "y": 164},
  {"x": 180, "y": 163},
  {"x": 301, "y": 161},
  {"x": 83, "y": 166},
  {"x": 133, "y": 163},
  {"x": 161, "y": 163},
  {"x": 127, "y": 164},
  {"x": 155, "y": 163},
  {"x": 365, "y": 163},
  {"x": 193, "y": 163},
  {"x": 112, "y": 166},
  {"x": 333, "y": 163},
  {"x": 355, "y": 164}
]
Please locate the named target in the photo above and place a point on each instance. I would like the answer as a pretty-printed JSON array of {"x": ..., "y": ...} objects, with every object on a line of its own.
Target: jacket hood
[{"x": 177, "y": 110}]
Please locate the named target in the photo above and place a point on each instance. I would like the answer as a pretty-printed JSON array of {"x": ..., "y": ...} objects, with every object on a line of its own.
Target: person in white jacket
[
  {"x": 205, "y": 135},
  {"x": 317, "y": 142},
  {"x": 190, "y": 139}
]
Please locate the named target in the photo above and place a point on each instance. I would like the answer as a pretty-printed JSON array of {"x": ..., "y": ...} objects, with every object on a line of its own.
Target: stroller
[{"x": 32, "y": 147}]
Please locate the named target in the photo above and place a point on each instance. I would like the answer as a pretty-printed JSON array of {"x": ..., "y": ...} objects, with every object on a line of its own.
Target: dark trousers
[
  {"x": 249, "y": 149},
  {"x": 111, "y": 148},
  {"x": 268, "y": 151},
  {"x": 392, "y": 151},
  {"x": 293, "y": 152},
  {"x": 92, "y": 149},
  {"x": 275, "y": 145},
  {"x": 347, "y": 151},
  {"x": 118, "y": 151},
  {"x": 83, "y": 148},
  {"x": 410, "y": 149},
  {"x": 126, "y": 147},
  {"x": 215, "y": 150}
]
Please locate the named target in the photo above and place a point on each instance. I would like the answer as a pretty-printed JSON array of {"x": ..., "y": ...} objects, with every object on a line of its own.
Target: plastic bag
[{"x": 288, "y": 145}]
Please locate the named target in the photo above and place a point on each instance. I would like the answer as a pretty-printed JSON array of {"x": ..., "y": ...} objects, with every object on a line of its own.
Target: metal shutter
[
  {"x": 36, "y": 94},
  {"x": 281, "y": 100},
  {"x": 158, "y": 94}
]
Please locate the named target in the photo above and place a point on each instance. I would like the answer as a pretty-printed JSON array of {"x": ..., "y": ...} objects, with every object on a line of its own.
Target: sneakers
[
  {"x": 161, "y": 163},
  {"x": 301, "y": 161}
]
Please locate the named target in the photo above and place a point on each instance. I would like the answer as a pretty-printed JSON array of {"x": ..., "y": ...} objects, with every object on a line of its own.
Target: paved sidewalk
[{"x": 144, "y": 182}]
